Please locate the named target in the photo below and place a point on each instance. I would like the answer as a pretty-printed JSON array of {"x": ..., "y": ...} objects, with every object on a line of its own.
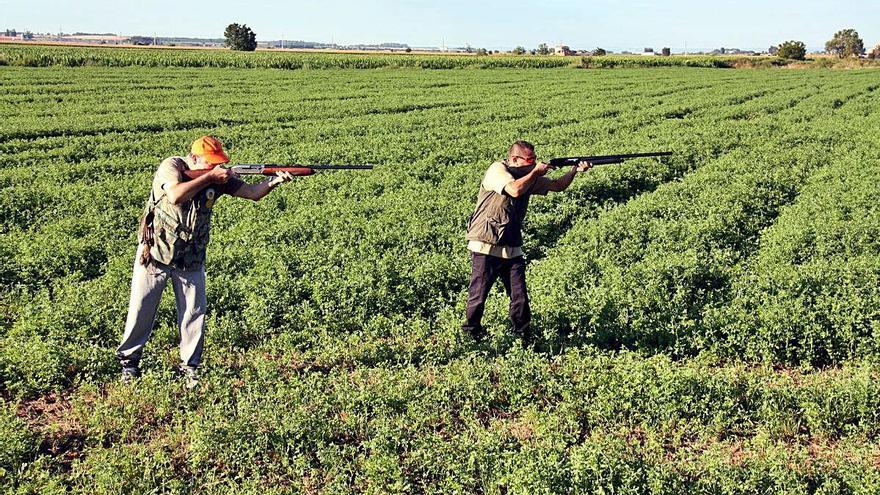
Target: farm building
[{"x": 563, "y": 51}]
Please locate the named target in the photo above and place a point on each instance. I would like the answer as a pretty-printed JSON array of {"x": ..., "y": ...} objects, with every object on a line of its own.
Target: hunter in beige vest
[{"x": 494, "y": 234}]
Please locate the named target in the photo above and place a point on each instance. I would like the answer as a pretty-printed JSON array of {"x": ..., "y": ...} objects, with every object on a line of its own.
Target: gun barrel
[
  {"x": 603, "y": 159},
  {"x": 339, "y": 167},
  {"x": 322, "y": 166},
  {"x": 261, "y": 169}
]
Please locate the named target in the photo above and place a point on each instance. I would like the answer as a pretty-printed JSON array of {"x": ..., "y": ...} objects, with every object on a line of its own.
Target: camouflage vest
[{"x": 180, "y": 233}]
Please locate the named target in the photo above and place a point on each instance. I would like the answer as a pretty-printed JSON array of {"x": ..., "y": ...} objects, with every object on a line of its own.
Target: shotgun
[{"x": 295, "y": 169}]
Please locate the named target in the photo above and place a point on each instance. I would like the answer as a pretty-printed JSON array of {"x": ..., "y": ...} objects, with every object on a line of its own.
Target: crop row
[
  {"x": 334, "y": 361},
  {"x": 811, "y": 291},
  {"x": 717, "y": 62},
  {"x": 614, "y": 62},
  {"x": 43, "y": 56},
  {"x": 71, "y": 199},
  {"x": 511, "y": 423},
  {"x": 47, "y": 56},
  {"x": 653, "y": 274}
]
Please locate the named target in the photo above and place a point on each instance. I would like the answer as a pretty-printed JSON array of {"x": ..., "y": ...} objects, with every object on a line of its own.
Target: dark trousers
[{"x": 484, "y": 272}]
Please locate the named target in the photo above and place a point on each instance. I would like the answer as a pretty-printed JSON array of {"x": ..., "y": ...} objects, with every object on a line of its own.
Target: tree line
[{"x": 844, "y": 43}]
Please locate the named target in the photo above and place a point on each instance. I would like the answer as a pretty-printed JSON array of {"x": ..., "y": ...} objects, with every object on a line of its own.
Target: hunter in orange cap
[
  {"x": 173, "y": 242},
  {"x": 211, "y": 149}
]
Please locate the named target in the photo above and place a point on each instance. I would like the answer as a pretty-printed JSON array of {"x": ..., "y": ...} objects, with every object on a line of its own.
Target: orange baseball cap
[{"x": 211, "y": 148}]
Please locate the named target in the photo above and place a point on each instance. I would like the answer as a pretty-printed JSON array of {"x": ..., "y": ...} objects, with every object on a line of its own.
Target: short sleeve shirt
[
  {"x": 171, "y": 172},
  {"x": 498, "y": 177}
]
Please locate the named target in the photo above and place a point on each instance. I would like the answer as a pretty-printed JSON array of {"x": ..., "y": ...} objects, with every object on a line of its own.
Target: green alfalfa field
[{"x": 710, "y": 322}]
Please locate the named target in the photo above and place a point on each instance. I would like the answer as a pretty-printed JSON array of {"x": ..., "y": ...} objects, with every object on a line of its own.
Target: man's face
[
  {"x": 199, "y": 163},
  {"x": 521, "y": 157}
]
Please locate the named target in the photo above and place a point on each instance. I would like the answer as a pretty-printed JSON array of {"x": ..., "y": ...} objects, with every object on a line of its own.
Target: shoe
[
  {"x": 478, "y": 334},
  {"x": 130, "y": 374},
  {"x": 191, "y": 377}
]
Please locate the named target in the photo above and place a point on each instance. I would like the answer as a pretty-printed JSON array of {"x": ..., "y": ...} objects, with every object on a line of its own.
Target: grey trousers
[{"x": 147, "y": 284}]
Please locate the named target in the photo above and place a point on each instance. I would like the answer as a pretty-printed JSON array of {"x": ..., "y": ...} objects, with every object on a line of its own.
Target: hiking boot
[
  {"x": 191, "y": 377},
  {"x": 130, "y": 374}
]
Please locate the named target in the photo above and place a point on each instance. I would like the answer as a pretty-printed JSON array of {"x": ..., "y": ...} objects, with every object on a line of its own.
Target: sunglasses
[{"x": 528, "y": 159}]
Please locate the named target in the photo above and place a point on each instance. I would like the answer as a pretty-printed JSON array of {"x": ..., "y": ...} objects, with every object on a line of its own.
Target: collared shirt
[{"x": 496, "y": 179}]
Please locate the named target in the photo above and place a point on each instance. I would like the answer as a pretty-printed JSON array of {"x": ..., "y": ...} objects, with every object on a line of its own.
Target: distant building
[
  {"x": 649, "y": 52},
  {"x": 13, "y": 35},
  {"x": 563, "y": 51},
  {"x": 732, "y": 51}
]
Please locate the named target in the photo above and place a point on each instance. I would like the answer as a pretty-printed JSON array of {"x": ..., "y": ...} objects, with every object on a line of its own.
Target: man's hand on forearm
[
  {"x": 583, "y": 166},
  {"x": 281, "y": 177},
  {"x": 261, "y": 189},
  {"x": 563, "y": 182}
]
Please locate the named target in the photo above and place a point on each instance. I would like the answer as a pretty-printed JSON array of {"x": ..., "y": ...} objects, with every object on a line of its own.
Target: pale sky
[{"x": 700, "y": 25}]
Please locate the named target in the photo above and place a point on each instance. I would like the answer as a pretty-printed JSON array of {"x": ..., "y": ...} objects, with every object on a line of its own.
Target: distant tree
[
  {"x": 773, "y": 50},
  {"x": 875, "y": 52},
  {"x": 845, "y": 43},
  {"x": 543, "y": 49},
  {"x": 795, "y": 50},
  {"x": 519, "y": 51},
  {"x": 598, "y": 52},
  {"x": 468, "y": 48},
  {"x": 481, "y": 51},
  {"x": 666, "y": 52},
  {"x": 11, "y": 32},
  {"x": 240, "y": 37},
  {"x": 28, "y": 35}
]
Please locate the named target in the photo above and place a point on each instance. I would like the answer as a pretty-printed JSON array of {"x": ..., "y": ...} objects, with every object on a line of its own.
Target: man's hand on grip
[
  {"x": 220, "y": 175},
  {"x": 542, "y": 168}
]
